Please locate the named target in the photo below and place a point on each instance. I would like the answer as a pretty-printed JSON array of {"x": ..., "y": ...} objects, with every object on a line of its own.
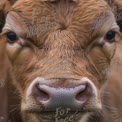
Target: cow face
[{"x": 60, "y": 52}]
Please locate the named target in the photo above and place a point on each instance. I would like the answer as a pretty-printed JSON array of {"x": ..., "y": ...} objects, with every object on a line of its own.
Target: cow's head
[{"x": 60, "y": 52}]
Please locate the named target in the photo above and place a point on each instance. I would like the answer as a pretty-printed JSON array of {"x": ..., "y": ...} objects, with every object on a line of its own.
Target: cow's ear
[
  {"x": 116, "y": 6},
  {"x": 3, "y": 80}
]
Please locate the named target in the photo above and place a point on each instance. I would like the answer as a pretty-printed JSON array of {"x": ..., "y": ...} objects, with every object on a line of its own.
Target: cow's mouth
[
  {"x": 67, "y": 111},
  {"x": 60, "y": 116},
  {"x": 63, "y": 115}
]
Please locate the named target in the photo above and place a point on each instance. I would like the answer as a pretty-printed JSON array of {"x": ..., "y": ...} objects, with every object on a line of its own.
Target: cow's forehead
[
  {"x": 65, "y": 13},
  {"x": 36, "y": 18}
]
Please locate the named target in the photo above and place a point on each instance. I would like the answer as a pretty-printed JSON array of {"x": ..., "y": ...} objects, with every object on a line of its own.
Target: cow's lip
[{"x": 53, "y": 112}]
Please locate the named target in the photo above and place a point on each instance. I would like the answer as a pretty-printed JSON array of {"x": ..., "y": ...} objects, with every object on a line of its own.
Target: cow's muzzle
[{"x": 69, "y": 96}]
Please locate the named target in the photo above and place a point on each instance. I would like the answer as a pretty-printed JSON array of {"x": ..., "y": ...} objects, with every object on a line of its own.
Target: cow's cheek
[
  {"x": 22, "y": 66},
  {"x": 101, "y": 63}
]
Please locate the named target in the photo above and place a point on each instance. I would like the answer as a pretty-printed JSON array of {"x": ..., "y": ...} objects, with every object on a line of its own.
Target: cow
[{"x": 60, "y": 54}]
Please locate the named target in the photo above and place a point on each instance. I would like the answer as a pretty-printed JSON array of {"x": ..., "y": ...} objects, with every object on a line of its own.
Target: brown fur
[
  {"x": 3, "y": 81},
  {"x": 5, "y": 77},
  {"x": 65, "y": 51}
]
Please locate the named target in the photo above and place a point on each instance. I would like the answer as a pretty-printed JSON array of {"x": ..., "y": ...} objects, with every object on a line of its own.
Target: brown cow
[{"x": 60, "y": 52}]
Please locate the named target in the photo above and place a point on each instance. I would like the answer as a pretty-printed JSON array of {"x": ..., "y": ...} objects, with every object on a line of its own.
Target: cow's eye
[
  {"x": 12, "y": 37},
  {"x": 110, "y": 36}
]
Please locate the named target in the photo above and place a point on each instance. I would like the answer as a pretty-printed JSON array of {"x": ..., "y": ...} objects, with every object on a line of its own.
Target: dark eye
[
  {"x": 110, "y": 36},
  {"x": 12, "y": 37}
]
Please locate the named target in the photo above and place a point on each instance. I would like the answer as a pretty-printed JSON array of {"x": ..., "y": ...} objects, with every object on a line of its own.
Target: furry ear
[
  {"x": 116, "y": 5},
  {"x": 3, "y": 81}
]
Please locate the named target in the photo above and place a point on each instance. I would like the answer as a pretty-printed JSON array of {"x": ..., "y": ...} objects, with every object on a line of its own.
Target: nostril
[
  {"x": 84, "y": 94},
  {"x": 39, "y": 94}
]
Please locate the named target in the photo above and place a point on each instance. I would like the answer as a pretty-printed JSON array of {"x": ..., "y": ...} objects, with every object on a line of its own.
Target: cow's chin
[
  {"x": 60, "y": 114},
  {"x": 60, "y": 117}
]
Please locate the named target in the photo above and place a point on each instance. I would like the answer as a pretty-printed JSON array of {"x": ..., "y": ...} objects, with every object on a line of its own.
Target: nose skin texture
[{"x": 52, "y": 97}]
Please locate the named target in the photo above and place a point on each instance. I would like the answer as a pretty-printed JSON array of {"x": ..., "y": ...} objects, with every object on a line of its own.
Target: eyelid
[
  {"x": 115, "y": 26},
  {"x": 21, "y": 40},
  {"x": 6, "y": 31},
  {"x": 117, "y": 30}
]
